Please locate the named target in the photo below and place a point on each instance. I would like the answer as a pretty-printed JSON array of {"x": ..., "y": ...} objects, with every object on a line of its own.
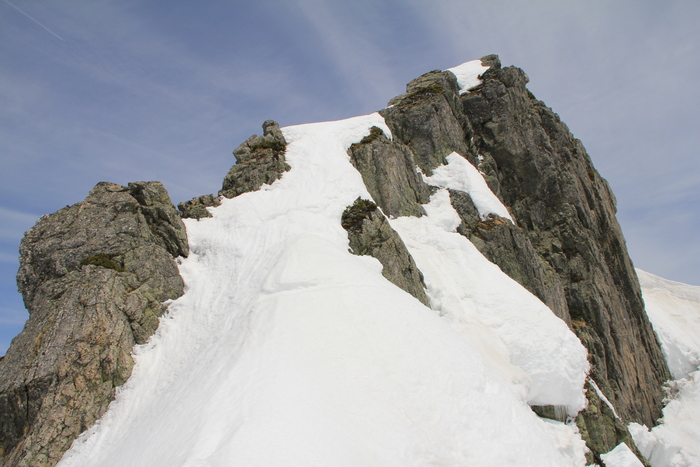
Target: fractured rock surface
[
  {"x": 566, "y": 246},
  {"x": 260, "y": 161},
  {"x": 94, "y": 277},
  {"x": 389, "y": 171},
  {"x": 567, "y": 211},
  {"x": 370, "y": 234}
]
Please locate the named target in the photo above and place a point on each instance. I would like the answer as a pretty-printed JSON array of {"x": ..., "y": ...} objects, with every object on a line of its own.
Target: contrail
[{"x": 37, "y": 22}]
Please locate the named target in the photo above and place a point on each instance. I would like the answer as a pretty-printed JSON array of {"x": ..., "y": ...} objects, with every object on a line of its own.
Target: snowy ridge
[
  {"x": 674, "y": 311},
  {"x": 508, "y": 324},
  {"x": 288, "y": 350}
]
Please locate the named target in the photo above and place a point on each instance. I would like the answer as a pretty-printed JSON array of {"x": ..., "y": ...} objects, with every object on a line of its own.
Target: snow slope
[
  {"x": 288, "y": 350},
  {"x": 674, "y": 312},
  {"x": 506, "y": 322},
  {"x": 621, "y": 456}
]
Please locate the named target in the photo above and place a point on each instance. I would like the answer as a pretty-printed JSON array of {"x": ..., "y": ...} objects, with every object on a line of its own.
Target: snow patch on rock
[
  {"x": 460, "y": 174},
  {"x": 468, "y": 74}
]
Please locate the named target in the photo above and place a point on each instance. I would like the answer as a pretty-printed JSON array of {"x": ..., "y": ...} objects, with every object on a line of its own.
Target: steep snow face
[
  {"x": 674, "y": 312},
  {"x": 468, "y": 74},
  {"x": 288, "y": 350},
  {"x": 489, "y": 309}
]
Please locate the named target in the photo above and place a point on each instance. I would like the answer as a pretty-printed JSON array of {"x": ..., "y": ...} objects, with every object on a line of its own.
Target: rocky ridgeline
[
  {"x": 94, "y": 275},
  {"x": 566, "y": 246}
]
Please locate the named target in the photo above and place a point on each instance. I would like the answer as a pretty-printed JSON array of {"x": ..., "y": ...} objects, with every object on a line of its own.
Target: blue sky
[{"x": 151, "y": 90}]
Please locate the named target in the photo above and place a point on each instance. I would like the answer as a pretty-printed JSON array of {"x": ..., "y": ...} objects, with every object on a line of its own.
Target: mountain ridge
[{"x": 562, "y": 243}]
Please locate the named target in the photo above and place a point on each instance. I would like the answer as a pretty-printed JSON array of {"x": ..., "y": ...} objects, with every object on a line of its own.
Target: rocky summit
[{"x": 97, "y": 276}]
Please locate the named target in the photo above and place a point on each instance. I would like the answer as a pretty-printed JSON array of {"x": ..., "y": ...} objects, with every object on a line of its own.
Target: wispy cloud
[
  {"x": 133, "y": 98},
  {"x": 350, "y": 34},
  {"x": 34, "y": 20},
  {"x": 151, "y": 90}
]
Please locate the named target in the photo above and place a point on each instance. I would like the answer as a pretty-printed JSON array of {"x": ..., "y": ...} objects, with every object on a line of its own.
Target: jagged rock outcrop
[
  {"x": 566, "y": 245},
  {"x": 370, "y": 234},
  {"x": 196, "y": 208},
  {"x": 424, "y": 119},
  {"x": 260, "y": 160},
  {"x": 567, "y": 210},
  {"x": 389, "y": 171},
  {"x": 94, "y": 277}
]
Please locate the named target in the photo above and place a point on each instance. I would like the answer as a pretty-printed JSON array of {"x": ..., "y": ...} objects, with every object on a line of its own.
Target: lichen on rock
[
  {"x": 388, "y": 170},
  {"x": 196, "y": 208},
  {"x": 260, "y": 161},
  {"x": 371, "y": 234}
]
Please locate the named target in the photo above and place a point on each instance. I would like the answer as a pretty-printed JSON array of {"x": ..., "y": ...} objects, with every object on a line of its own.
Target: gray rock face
[
  {"x": 567, "y": 211},
  {"x": 424, "y": 119},
  {"x": 94, "y": 277},
  {"x": 196, "y": 208},
  {"x": 389, "y": 172},
  {"x": 506, "y": 245},
  {"x": 566, "y": 246},
  {"x": 260, "y": 161},
  {"x": 370, "y": 234}
]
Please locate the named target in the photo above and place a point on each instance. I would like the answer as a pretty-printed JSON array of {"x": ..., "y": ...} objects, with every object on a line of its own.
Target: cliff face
[
  {"x": 566, "y": 246},
  {"x": 94, "y": 275},
  {"x": 94, "y": 278},
  {"x": 567, "y": 212}
]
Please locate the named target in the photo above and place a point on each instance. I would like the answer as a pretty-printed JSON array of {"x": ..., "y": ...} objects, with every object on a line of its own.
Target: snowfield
[{"x": 288, "y": 350}]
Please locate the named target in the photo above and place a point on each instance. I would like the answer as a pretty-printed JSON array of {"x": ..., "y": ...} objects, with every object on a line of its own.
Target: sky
[{"x": 134, "y": 90}]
